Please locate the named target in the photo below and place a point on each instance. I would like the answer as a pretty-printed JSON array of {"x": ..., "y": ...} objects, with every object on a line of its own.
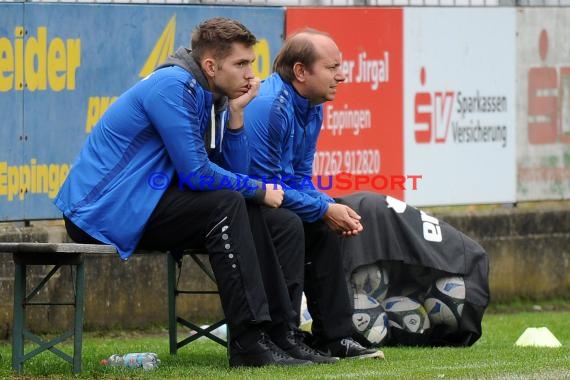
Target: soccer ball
[
  {"x": 444, "y": 301},
  {"x": 371, "y": 280},
  {"x": 369, "y": 318},
  {"x": 406, "y": 314}
]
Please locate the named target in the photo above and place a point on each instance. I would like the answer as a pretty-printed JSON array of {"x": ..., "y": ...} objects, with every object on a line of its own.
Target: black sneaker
[
  {"x": 302, "y": 351},
  {"x": 350, "y": 349},
  {"x": 265, "y": 353}
]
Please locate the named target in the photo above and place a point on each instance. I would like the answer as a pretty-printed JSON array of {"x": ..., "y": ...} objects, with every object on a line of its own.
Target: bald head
[
  {"x": 310, "y": 61},
  {"x": 304, "y": 47}
]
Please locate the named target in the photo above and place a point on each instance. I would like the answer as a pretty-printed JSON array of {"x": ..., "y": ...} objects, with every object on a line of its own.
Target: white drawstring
[
  {"x": 222, "y": 128},
  {"x": 213, "y": 128}
]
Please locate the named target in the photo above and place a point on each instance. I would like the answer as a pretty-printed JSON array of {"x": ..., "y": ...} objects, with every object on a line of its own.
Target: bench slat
[{"x": 56, "y": 248}]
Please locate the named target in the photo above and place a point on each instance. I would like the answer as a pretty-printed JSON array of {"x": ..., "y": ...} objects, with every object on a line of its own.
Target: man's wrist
[
  {"x": 235, "y": 130},
  {"x": 236, "y": 117}
]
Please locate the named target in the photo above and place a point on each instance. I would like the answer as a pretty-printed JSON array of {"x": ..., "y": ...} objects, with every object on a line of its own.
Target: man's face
[
  {"x": 325, "y": 75},
  {"x": 233, "y": 73}
]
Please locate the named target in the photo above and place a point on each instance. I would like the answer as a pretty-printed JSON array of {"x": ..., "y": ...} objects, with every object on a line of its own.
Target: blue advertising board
[
  {"x": 74, "y": 60},
  {"x": 11, "y": 107}
]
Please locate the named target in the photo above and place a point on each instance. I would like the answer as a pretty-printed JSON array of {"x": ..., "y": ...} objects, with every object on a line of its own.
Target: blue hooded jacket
[
  {"x": 153, "y": 132},
  {"x": 282, "y": 128}
]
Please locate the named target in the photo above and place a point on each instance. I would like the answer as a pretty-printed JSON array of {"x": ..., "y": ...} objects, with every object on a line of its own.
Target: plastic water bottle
[{"x": 144, "y": 360}]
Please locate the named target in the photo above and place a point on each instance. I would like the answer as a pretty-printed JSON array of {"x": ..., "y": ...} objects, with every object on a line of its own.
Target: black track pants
[
  {"x": 218, "y": 221},
  {"x": 288, "y": 237},
  {"x": 325, "y": 285}
]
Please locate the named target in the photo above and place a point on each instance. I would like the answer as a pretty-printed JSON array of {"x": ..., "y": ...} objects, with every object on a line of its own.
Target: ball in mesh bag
[
  {"x": 444, "y": 301},
  {"x": 369, "y": 318},
  {"x": 371, "y": 280},
  {"x": 406, "y": 314}
]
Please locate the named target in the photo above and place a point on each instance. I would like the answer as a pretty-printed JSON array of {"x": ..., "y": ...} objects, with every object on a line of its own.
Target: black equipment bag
[{"x": 405, "y": 239}]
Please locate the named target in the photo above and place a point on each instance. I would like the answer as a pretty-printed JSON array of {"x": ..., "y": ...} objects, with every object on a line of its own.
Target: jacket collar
[{"x": 302, "y": 106}]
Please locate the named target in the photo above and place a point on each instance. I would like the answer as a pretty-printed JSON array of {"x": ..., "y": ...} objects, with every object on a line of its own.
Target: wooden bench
[{"x": 71, "y": 254}]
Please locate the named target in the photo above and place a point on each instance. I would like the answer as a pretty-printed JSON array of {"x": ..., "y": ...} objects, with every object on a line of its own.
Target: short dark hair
[
  {"x": 217, "y": 35},
  {"x": 297, "y": 48}
]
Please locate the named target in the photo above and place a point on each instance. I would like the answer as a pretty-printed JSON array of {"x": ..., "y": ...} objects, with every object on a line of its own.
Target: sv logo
[
  {"x": 432, "y": 114},
  {"x": 548, "y": 101}
]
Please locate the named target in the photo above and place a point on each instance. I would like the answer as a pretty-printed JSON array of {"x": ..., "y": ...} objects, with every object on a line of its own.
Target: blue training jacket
[
  {"x": 151, "y": 133},
  {"x": 282, "y": 129}
]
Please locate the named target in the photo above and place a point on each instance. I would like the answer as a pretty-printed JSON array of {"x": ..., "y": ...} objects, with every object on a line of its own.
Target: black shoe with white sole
[
  {"x": 350, "y": 349},
  {"x": 265, "y": 352},
  {"x": 300, "y": 350}
]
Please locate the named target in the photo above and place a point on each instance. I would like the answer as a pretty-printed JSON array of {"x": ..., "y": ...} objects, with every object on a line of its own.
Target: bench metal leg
[
  {"x": 19, "y": 316},
  {"x": 173, "y": 292},
  {"x": 172, "y": 336},
  {"x": 79, "y": 311},
  {"x": 23, "y": 300}
]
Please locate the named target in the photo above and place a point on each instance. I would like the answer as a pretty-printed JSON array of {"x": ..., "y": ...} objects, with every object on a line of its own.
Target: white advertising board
[
  {"x": 460, "y": 105},
  {"x": 543, "y": 113}
]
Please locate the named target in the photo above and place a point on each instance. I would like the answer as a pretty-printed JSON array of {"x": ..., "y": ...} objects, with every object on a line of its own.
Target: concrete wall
[
  {"x": 529, "y": 250},
  {"x": 529, "y": 254}
]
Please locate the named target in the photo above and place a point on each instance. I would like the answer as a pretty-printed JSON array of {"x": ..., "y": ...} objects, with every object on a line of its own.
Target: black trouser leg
[
  {"x": 274, "y": 272},
  {"x": 77, "y": 234},
  {"x": 288, "y": 237},
  {"x": 218, "y": 221},
  {"x": 325, "y": 286}
]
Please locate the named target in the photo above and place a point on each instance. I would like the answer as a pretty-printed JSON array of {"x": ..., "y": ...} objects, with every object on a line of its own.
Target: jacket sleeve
[
  {"x": 269, "y": 126},
  {"x": 303, "y": 168},
  {"x": 233, "y": 152},
  {"x": 177, "y": 108}
]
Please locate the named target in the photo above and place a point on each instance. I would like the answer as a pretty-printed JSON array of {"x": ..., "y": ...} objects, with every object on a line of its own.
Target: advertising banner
[
  {"x": 543, "y": 75},
  {"x": 11, "y": 105},
  {"x": 75, "y": 60},
  {"x": 459, "y": 105},
  {"x": 360, "y": 147}
]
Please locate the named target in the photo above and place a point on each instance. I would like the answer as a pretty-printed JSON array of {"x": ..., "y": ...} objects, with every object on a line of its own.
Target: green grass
[{"x": 494, "y": 356}]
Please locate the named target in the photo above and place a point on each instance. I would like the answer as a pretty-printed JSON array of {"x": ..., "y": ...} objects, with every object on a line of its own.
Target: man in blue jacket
[
  {"x": 161, "y": 170},
  {"x": 283, "y": 124}
]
